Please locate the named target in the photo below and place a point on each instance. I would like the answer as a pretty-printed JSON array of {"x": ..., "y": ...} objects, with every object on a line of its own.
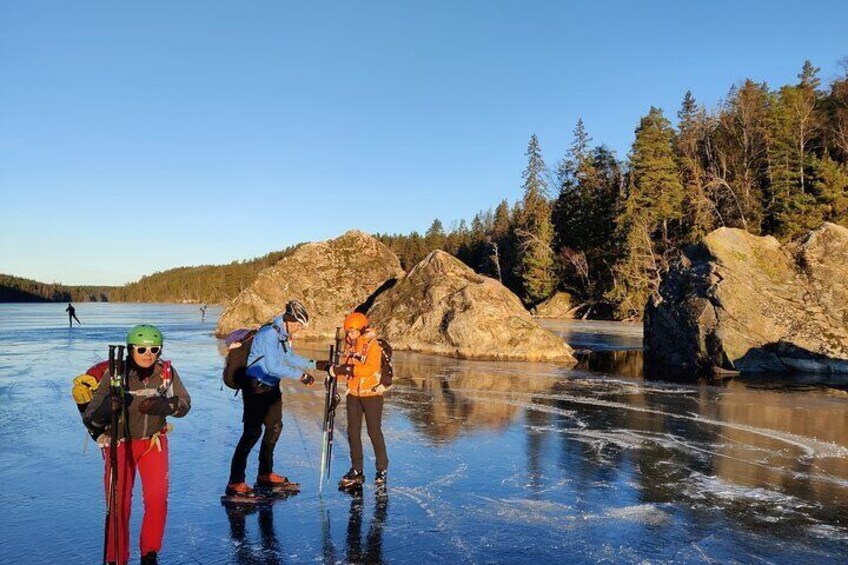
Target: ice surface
[{"x": 490, "y": 462}]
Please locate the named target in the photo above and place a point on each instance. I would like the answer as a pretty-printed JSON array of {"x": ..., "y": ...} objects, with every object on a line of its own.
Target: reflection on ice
[
  {"x": 439, "y": 394},
  {"x": 597, "y": 335}
]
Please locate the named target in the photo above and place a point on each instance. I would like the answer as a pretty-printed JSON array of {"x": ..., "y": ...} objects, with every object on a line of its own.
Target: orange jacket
[{"x": 365, "y": 355}]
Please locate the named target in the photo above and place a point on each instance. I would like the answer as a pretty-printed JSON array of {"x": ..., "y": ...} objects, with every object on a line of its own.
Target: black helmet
[{"x": 297, "y": 312}]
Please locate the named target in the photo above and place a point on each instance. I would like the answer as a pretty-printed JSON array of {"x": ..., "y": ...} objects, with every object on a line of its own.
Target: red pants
[{"x": 151, "y": 460}]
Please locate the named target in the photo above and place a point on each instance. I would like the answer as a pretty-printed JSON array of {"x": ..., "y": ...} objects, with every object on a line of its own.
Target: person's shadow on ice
[
  {"x": 373, "y": 550},
  {"x": 247, "y": 552}
]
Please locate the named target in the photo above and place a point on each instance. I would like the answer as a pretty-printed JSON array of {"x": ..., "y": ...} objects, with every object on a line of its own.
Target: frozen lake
[{"x": 490, "y": 462}]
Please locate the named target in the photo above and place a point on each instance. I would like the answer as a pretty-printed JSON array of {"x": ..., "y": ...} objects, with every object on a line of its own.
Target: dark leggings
[
  {"x": 372, "y": 408},
  {"x": 263, "y": 406}
]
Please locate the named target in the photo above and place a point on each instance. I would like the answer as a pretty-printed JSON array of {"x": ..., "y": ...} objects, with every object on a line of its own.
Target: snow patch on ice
[
  {"x": 648, "y": 514},
  {"x": 562, "y": 516},
  {"x": 703, "y": 486},
  {"x": 828, "y": 532}
]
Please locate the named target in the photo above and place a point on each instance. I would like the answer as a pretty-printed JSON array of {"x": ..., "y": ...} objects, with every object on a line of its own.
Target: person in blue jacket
[{"x": 271, "y": 359}]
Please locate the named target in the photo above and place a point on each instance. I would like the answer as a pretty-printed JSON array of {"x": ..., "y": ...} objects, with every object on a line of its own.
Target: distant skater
[
  {"x": 72, "y": 315},
  {"x": 203, "y": 313}
]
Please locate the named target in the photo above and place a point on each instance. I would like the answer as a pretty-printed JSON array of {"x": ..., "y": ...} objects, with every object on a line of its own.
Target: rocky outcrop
[
  {"x": 330, "y": 277},
  {"x": 741, "y": 302},
  {"x": 444, "y": 307},
  {"x": 557, "y": 306}
]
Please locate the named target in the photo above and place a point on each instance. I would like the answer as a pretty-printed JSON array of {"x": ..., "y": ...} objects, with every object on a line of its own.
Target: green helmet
[{"x": 145, "y": 334}]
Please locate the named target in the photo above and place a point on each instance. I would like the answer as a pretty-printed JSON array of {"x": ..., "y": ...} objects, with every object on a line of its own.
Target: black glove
[
  {"x": 341, "y": 370},
  {"x": 159, "y": 406},
  {"x": 101, "y": 416},
  {"x": 307, "y": 379},
  {"x": 322, "y": 365}
]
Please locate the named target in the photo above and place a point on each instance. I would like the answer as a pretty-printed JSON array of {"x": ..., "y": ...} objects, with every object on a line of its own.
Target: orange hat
[{"x": 355, "y": 321}]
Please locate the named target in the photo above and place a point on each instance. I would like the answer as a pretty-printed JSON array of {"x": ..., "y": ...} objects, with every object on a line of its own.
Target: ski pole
[
  {"x": 325, "y": 426},
  {"x": 331, "y": 400},
  {"x": 113, "y": 473}
]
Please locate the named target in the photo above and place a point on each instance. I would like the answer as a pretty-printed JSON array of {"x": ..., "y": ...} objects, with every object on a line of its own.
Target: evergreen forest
[{"x": 605, "y": 229}]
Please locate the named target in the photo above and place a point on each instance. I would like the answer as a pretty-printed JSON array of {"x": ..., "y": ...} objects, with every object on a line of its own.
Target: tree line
[
  {"x": 18, "y": 289},
  {"x": 769, "y": 161},
  {"x": 207, "y": 283}
]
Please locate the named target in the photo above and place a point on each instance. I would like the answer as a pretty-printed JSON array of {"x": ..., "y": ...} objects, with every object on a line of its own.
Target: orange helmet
[{"x": 355, "y": 321}]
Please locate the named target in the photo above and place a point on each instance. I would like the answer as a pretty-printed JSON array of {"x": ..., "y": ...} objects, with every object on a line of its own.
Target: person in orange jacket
[{"x": 361, "y": 363}]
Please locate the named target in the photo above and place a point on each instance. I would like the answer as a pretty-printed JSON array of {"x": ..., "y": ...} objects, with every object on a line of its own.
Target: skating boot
[
  {"x": 352, "y": 481},
  {"x": 276, "y": 483}
]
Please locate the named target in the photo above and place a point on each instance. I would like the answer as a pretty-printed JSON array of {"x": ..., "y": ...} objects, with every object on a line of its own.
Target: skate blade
[
  {"x": 244, "y": 500},
  {"x": 278, "y": 491},
  {"x": 351, "y": 488}
]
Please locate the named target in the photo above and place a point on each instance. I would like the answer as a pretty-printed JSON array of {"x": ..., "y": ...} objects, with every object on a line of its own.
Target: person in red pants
[{"x": 153, "y": 391}]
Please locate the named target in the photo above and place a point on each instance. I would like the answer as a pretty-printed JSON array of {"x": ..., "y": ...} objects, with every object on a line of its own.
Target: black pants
[
  {"x": 263, "y": 406},
  {"x": 372, "y": 408}
]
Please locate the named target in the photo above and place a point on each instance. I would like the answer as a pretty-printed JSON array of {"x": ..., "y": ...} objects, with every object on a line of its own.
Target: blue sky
[{"x": 140, "y": 136}]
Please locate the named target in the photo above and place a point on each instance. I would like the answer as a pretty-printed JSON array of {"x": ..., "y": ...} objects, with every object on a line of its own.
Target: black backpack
[
  {"x": 235, "y": 368},
  {"x": 387, "y": 370}
]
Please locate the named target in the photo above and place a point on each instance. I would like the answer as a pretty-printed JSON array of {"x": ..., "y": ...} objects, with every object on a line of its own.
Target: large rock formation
[
  {"x": 330, "y": 277},
  {"x": 741, "y": 302},
  {"x": 444, "y": 307},
  {"x": 557, "y": 306}
]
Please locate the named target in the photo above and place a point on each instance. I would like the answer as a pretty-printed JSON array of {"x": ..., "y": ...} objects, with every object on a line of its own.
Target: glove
[
  {"x": 322, "y": 365},
  {"x": 307, "y": 379},
  {"x": 101, "y": 415},
  {"x": 119, "y": 400},
  {"x": 341, "y": 371},
  {"x": 158, "y": 406},
  {"x": 83, "y": 390}
]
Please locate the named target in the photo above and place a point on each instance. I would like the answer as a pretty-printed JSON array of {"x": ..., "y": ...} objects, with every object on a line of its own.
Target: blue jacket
[{"x": 278, "y": 361}]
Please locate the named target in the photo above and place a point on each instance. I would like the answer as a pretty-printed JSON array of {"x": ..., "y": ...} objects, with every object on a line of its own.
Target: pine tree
[
  {"x": 573, "y": 212},
  {"x": 836, "y": 108},
  {"x": 584, "y": 216},
  {"x": 829, "y": 186},
  {"x": 737, "y": 157},
  {"x": 501, "y": 223},
  {"x": 794, "y": 125},
  {"x": 656, "y": 191},
  {"x": 808, "y": 77},
  {"x": 535, "y": 231},
  {"x": 434, "y": 238},
  {"x": 692, "y": 136},
  {"x": 651, "y": 213}
]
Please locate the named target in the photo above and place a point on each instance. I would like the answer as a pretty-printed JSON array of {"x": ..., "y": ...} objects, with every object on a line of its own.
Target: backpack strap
[
  {"x": 282, "y": 341},
  {"x": 166, "y": 389}
]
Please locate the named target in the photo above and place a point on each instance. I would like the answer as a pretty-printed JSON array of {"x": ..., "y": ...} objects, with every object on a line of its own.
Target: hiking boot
[
  {"x": 353, "y": 479},
  {"x": 272, "y": 480},
  {"x": 240, "y": 489},
  {"x": 380, "y": 478},
  {"x": 150, "y": 558}
]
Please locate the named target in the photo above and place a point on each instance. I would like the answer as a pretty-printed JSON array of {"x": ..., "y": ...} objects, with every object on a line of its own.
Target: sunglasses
[{"x": 142, "y": 350}]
